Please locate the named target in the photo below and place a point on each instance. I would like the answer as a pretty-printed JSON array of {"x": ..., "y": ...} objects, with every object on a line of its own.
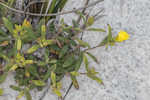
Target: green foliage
[
  {"x": 108, "y": 40},
  {"x": 62, "y": 55}
]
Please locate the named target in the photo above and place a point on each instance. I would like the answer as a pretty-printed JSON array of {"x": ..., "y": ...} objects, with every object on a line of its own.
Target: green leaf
[
  {"x": 3, "y": 56},
  {"x": 53, "y": 78},
  {"x": 69, "y": 61},
  {"x": 93, "y": 57},
  {"x": 90, "y": 21},
  {"x": 52, "y": 6},
  {"x": 8, "y": 24},
  {"x": 38, "y": 82},
  {"x": 75, "y": 24},
  {"x": 63, "y": 51},
  {"x": 19, "y": 43},
  {"x": 85, "y": 60},
  {"x": 82, "y": 43},
  {"x": 3, "y": 77},
  {"x": 48, "y": 42},
  {"x": 109, "y": 33},
  {"x": 79, "y": 62},
  {"x": 11, "y": 2},
  {"x": 16, "y": 88},
  {"x": 74, "y": 73},
  {"x": 33, "y": 49},
  {"x": 1, "y": 91},
  {"x": 46, "y": 55},
  {"x": 57, "y": 92},
  {"x": 96, "y": 29},
  {"x": 47, "y": 75},
  {"x": 43, "y": 31},
  {"x": 60, "y": 5},
  {"x": 14, "y": 67},
  {"x": 75, "y": 82},
  {"x": 108, "y": 40},
  {"x": 92, "y": 71},
  {"x": 95, "y": 78},
  {"x": 33, "y": 71},
  {"x": 29, "y": 35}
]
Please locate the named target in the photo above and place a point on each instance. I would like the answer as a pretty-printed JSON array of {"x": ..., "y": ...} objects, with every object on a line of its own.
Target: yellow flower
[
  {"x": 122, "y": 36},
  {"x": 26, "y": 23}
]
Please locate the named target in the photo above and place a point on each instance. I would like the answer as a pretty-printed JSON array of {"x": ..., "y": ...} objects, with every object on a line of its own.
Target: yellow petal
[
  {"x": 122, "y": 36},
  {"x": 26, "y": 23}
]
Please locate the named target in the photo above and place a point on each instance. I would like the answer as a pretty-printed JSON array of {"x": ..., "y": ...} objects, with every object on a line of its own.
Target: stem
[
  {"x": 54, "y": 14},
  {"x": 70, "y": 86}
]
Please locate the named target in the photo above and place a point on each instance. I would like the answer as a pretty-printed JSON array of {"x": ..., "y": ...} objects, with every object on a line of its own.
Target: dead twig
[
  {"x": 70, "y": 86},
  {"x": 54, "y": 14}
]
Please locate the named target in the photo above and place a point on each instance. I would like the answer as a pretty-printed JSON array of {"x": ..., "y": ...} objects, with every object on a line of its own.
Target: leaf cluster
[{"x": 60, "y": 54}]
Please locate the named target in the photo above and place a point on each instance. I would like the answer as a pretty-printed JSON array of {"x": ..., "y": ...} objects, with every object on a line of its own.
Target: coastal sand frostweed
[{"x": 122, "y": 36}]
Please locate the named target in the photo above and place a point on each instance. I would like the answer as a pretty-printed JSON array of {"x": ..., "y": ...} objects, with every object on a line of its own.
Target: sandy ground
[{"x": 124, "y": 68}]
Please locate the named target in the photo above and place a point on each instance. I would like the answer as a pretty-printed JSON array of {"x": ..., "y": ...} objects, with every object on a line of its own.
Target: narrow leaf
[
  {"x": 90, "y": 21},
  {"x": 8, "y": 24},
  {"x": 43, "y": 31},
  {"x": 79, "y": 62},
  {"x": 63, "y": 51},
  {"x": 3, "y": 77},
  {"x": 95, "y": 78},
  {"x": 74, "y": 73},
  {"x": 38, "y": 82},
  {"x": 33, "y": 49},
  {"x": 93, "y": 57},
  {"x": 96, "y": 29},
  {"x": 16, "y": 88},
  {"x": 75, "y": 82},
  {"x": 69, "y": 61},
  {"x": 53, "y": 78},
  {"x": 57, "y": 92},
  {"x": 52, "y": 6},
  {"x": 85, "y": 60},
  {"x": 47, "y": 75},
  {"x": 82, "y": 43},
  {"x": 14, "y": 67},
  {"x": 19, "y": 43}
]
